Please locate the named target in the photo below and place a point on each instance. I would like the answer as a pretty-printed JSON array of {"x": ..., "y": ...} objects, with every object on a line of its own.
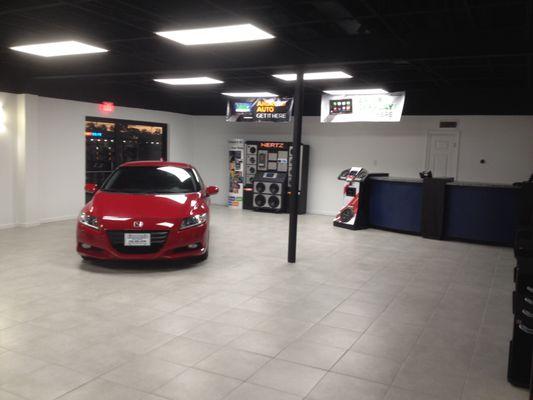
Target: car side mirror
[
  {"x": 91, "y": 187},
  {"x": 211, "y": 190}
]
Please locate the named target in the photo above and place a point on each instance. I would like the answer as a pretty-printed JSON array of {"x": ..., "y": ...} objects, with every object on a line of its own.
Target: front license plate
[{"x": 137, "y": 239}]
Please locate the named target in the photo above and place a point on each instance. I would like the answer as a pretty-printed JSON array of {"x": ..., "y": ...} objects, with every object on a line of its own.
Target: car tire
[{"x": 203, "y": 257}]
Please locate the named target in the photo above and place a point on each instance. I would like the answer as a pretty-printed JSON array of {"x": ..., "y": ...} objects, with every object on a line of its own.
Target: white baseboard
[
  {"x": 33, "y": 224},
  {"x": 7, "y": 226},
  {"x": 321, "y": 212},
  {"x": 58, "y": 219}
]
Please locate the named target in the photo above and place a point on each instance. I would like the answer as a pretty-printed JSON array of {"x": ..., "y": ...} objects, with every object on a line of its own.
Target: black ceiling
[{"x": 451, "y": 56}]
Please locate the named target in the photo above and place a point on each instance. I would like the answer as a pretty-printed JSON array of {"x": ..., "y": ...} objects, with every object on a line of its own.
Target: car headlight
[
  {"x": 89, "y": 220},
  {"x": 195, "y": 220}
]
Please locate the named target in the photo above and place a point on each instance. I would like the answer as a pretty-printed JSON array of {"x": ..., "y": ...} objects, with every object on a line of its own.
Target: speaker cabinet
[{"x": 270, "y": 191}]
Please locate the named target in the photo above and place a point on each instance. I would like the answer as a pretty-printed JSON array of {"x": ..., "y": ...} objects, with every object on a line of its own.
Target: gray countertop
[{"x": 455, "y": 183}]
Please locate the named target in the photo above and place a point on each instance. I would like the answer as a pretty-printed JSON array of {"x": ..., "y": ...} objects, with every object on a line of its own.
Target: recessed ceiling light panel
[
  {"x": 249, "y": 94},
  {"x": 356, "y": 91},
  {"x": 56, "y": 49},
  {"x": 199, "y": 80},
  {"x": 214, "y": 35},
  {"x": 311, "y": 76}
]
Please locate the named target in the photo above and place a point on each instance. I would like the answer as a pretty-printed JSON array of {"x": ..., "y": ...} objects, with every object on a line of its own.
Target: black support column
[{"x": 296, "y": 147}]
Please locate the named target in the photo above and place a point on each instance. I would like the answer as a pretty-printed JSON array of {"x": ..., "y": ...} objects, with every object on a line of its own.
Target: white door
[{"x": 442, "y": 153}]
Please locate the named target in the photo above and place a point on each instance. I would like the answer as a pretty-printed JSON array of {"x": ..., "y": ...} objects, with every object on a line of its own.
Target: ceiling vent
[{"x": 448, "y": 124}]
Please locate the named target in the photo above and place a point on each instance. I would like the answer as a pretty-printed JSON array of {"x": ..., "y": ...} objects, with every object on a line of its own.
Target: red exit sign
[{"x": 106, "y": 107}]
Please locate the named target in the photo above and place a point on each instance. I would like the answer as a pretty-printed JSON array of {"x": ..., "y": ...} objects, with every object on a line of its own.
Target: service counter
[{"x": 474, "y": 212}]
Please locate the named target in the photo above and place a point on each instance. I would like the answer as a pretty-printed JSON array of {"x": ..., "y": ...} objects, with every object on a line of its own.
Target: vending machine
[
  {"x": 236, "y": 175},
  {"x": 354, "y": 212}
]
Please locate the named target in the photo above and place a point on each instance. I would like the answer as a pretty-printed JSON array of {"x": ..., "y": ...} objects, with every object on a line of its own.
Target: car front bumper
[{"x": 96, "y": 244}]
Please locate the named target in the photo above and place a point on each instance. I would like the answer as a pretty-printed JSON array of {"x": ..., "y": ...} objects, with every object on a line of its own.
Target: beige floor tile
[
  {"x": 198, "y": 385},
  {"x": 341, "y": 387},
  {"x": 394, "y": 347},
  {"x": 234, "y": 363},
  {"x": 284, "y": 326},
  {"x": 261, "y": 342},
  {"x": 288, "y": 377},
  {"x": 311, "y": 354},
  {"x": 144, "y": 373},
  {"x": 215, "y": 333},
  {"x": 331, "y": 336},
  {"x": 103, "y": 390},
  {"x": 9, "y": 396},
  {"x": 184, "y": 351},
  {"x": 249, "y": 391},
  {"x": 347, "y": 321},
  {"x": 240, "y": 317},
  {"x": 13, "y": 365},
  {"x": 406, "y": 299},
  {"x": 46, "y": 383},
  {"x": 364, "y": 366}
]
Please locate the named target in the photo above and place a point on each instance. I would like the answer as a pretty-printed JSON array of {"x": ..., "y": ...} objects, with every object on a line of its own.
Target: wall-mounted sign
[
  {"x": 386, "y": 107},
  {"x": 276, "y": 109},
  {"x": 106, "y": 107}
]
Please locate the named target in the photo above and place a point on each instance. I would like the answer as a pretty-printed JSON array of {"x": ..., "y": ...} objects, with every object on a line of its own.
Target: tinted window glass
[{"x": 152, "y": 180}]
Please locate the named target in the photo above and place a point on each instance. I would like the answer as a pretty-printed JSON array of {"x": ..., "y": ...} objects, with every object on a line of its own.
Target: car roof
[{"x": 155, "y": 164}]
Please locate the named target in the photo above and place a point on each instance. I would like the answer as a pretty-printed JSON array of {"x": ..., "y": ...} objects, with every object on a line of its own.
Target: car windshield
[{"x": 152, "y": 180}]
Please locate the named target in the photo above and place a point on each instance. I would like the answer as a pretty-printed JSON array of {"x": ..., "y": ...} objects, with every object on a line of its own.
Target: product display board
[
  {"x": 236, "y": 175},
  {"x": 386, "y": 107},
  {"x": 354, "y": 212},
  {"x": 259, "y": 110},
  {"x": 263, "y": 157}
]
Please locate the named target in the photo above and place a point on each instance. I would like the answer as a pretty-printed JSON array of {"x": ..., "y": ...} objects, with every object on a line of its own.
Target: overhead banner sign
[
  {"x": 277, "y": 109},
  {"x": 386, "y": 107}
]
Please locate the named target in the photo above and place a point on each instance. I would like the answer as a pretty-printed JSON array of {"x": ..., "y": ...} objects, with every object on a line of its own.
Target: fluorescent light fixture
[
  {"x": 250, "y": 94},
  {"x": 55, "y": 49},
  {"x": 220, "y": 34},
  {"x": 200, "y": 80},
  {"x": 356, "y": 91},
  {"x": 311, "y": 76}
]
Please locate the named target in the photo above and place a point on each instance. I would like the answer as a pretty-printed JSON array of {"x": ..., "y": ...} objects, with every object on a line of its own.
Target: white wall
[
  {"x": 506, "y": 143},
  {"x": 42, "y": 154},
  {"x": 62, "y": 145},
  {"x": 8, "y": 103}
]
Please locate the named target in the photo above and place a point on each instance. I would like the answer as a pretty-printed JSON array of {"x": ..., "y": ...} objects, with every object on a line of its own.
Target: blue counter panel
[
  {"x": 395, "y": 205},
  {"x": 480, "y": 214}
]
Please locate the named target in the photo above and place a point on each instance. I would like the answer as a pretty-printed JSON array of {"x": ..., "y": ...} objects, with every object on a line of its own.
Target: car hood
[{"x": 119, "y": 209}]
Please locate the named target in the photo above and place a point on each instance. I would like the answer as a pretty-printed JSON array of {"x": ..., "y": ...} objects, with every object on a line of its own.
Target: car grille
[{"x": 158, "y": 239}]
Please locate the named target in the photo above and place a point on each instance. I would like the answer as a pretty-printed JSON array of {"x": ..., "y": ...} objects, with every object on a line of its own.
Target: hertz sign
[
  {"x": 272, "y": 145},
  {"x": 259, "y": 109}
]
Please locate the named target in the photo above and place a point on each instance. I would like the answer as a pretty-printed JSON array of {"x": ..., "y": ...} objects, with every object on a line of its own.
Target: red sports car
[{"x": 147, "y": 210}]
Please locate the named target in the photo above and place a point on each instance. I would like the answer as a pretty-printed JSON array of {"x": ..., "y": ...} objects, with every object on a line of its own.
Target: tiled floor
[{"x": 364, "y": 315}]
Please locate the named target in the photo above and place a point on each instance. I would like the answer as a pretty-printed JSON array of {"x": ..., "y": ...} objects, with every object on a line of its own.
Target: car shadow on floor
[{"x": 136, "y": 267}]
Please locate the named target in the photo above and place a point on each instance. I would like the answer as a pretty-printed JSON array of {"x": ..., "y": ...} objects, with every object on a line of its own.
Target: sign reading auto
[{"x": 278, "y": 109}]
